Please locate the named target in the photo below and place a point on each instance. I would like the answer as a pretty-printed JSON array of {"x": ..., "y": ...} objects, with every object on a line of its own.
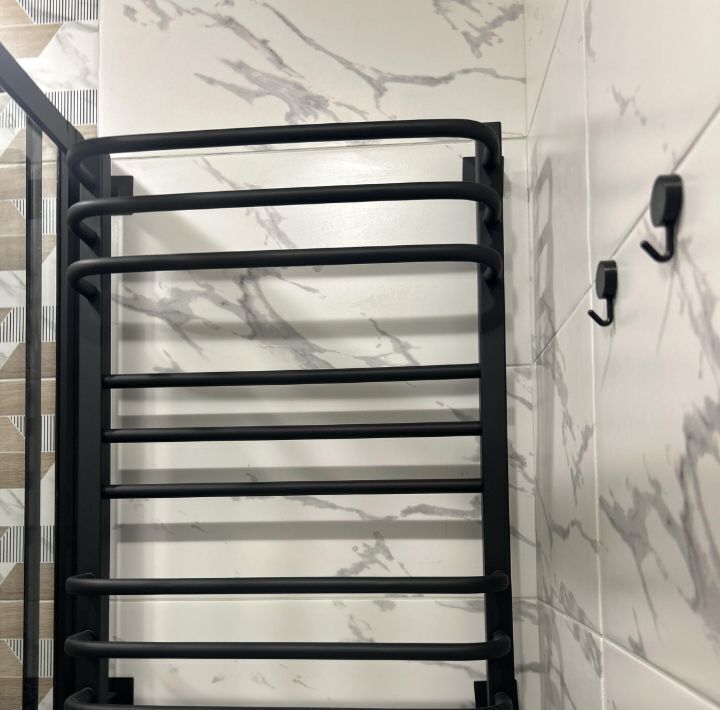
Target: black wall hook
[
  {"x": 606, "y": 288},
  {"x": 665, "y": 207}
]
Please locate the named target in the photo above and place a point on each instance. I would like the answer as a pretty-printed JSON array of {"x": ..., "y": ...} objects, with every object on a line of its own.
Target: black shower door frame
[{"x": 42, "y": 120}]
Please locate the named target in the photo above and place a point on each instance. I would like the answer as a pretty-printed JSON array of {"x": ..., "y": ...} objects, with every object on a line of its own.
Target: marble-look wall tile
[
  {"x": 290, "y": 61},
  {"x": 70, "y": 59},
  {"x": 542, "y": 23},
  {"x": 571, "y": 663},
  {"x": 248, "y": 62},
  {"x": 308, "y": 318},
  {"x": 566, "y": 500},
  {"x": 648, "y": 688},
  {"x": 313, "y": 318},
  {"x": 395, "y": 535},
  {"x": 324, "y": 225},
  {"x": 658, "y": 436},
  {"x": 381, "y": 619},
  {"x": 558, "y": 184},
  {"x": 649, "y": 97}
]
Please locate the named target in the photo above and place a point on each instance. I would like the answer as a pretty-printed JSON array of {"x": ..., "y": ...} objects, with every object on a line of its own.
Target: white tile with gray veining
[
  {"x": 558, "y": 184},
  {"x": 542, "y": 23},
  {"x": 185, "y": 307},
  {"x": 69, "y": 61},
  {"x": 566, "y": 498},
  {"x": 259, "y": 62},
  {"x": 650, "y": 94},
  {"x": 658, "y": 438},
  {"x": 358, "y": 535},
  {"x": 309, "y": 318},
  {"x": 337, "y": 683},
  {"x": 571, "y": 663},
  {"x": 649, "y": 688}
]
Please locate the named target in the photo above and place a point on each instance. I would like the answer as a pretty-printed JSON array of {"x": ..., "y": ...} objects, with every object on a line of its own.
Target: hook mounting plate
[
  {"x": 606, "y": 281},
  {"x": 666, "y": 200}
]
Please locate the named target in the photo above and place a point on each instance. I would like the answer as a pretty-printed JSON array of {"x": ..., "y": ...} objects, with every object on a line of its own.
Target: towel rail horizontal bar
[
  {"x": 406, "y": 486},
  {"x": 400, "y": 254},
  {"x": 84, "y": 700},
  {"x": 292, "y": 432},
  {"x": 87, "y": 584},
  {"x": 84, "y": 644},
  {"x": 275, "y": 197},
  {"x": 278, "y": 135},
  {"x": 294, "y": 377}
]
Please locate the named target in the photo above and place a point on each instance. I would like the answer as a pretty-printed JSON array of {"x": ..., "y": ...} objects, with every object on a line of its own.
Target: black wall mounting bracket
[
  {"x": 121, "y": 185},
  {"x": 666, "y": 204}
]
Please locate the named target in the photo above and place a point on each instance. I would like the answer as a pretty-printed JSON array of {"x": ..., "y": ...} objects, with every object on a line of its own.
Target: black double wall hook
[
  {"x": 606, "y": 288},
  {"x": 665, "y": 208}
]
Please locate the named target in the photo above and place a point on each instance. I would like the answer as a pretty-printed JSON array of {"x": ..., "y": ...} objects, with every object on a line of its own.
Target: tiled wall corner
[
  {"x": 571, "y": 663},
  {"x": 566, "y": 500},
  {"x": 542, "y": 23},
  {"x": 558, "y": 184}
]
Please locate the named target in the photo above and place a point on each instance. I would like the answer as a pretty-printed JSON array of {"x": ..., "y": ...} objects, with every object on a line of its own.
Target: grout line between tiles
[
  {"x": 547, "y": 68},
  {"x": 583, "y": 24},
  {"x": 571, "y": 619},
  {"x": 676, "y": 166},
  {"x": 525, "y": 72},
  {"x": 559, "y": 329}
]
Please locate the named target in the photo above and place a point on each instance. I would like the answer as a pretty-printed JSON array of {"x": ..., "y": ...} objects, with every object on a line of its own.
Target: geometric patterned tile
[
  {"x": 11, "y": 13},
  {"x": 11, "y": 439},
  {"x": 12, "y": 397},
  {"x": 14, "y": 366},
  {"x": 11, "y": 692},
  {"x": 12, "y": 223},
  {"x": 12, "y": 468},
  {"x": 11, "y": 587},
  {"x": 12, "y": 251},
  {"x": 25, "y": 41},
  {"x": 11, "y": 619}
]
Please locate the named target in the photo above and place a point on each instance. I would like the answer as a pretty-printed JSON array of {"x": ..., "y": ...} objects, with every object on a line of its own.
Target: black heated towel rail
[{"x": 90, "y": 197}]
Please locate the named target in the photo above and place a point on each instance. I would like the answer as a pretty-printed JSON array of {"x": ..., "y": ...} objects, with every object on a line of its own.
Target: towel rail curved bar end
[
  {"x": 87, "y": 264},
  {"x": 482, "y": 133}
]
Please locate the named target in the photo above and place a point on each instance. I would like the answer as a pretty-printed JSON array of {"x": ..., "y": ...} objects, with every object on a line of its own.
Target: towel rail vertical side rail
[
  {"x": 494, "y": 441},
  {"x": 92, "y": 459}
]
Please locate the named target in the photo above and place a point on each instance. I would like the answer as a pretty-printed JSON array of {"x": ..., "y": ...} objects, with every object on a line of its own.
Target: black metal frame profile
[
  {"x": 42, "y": 119},
  {"x": 33, "y": 412}
]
